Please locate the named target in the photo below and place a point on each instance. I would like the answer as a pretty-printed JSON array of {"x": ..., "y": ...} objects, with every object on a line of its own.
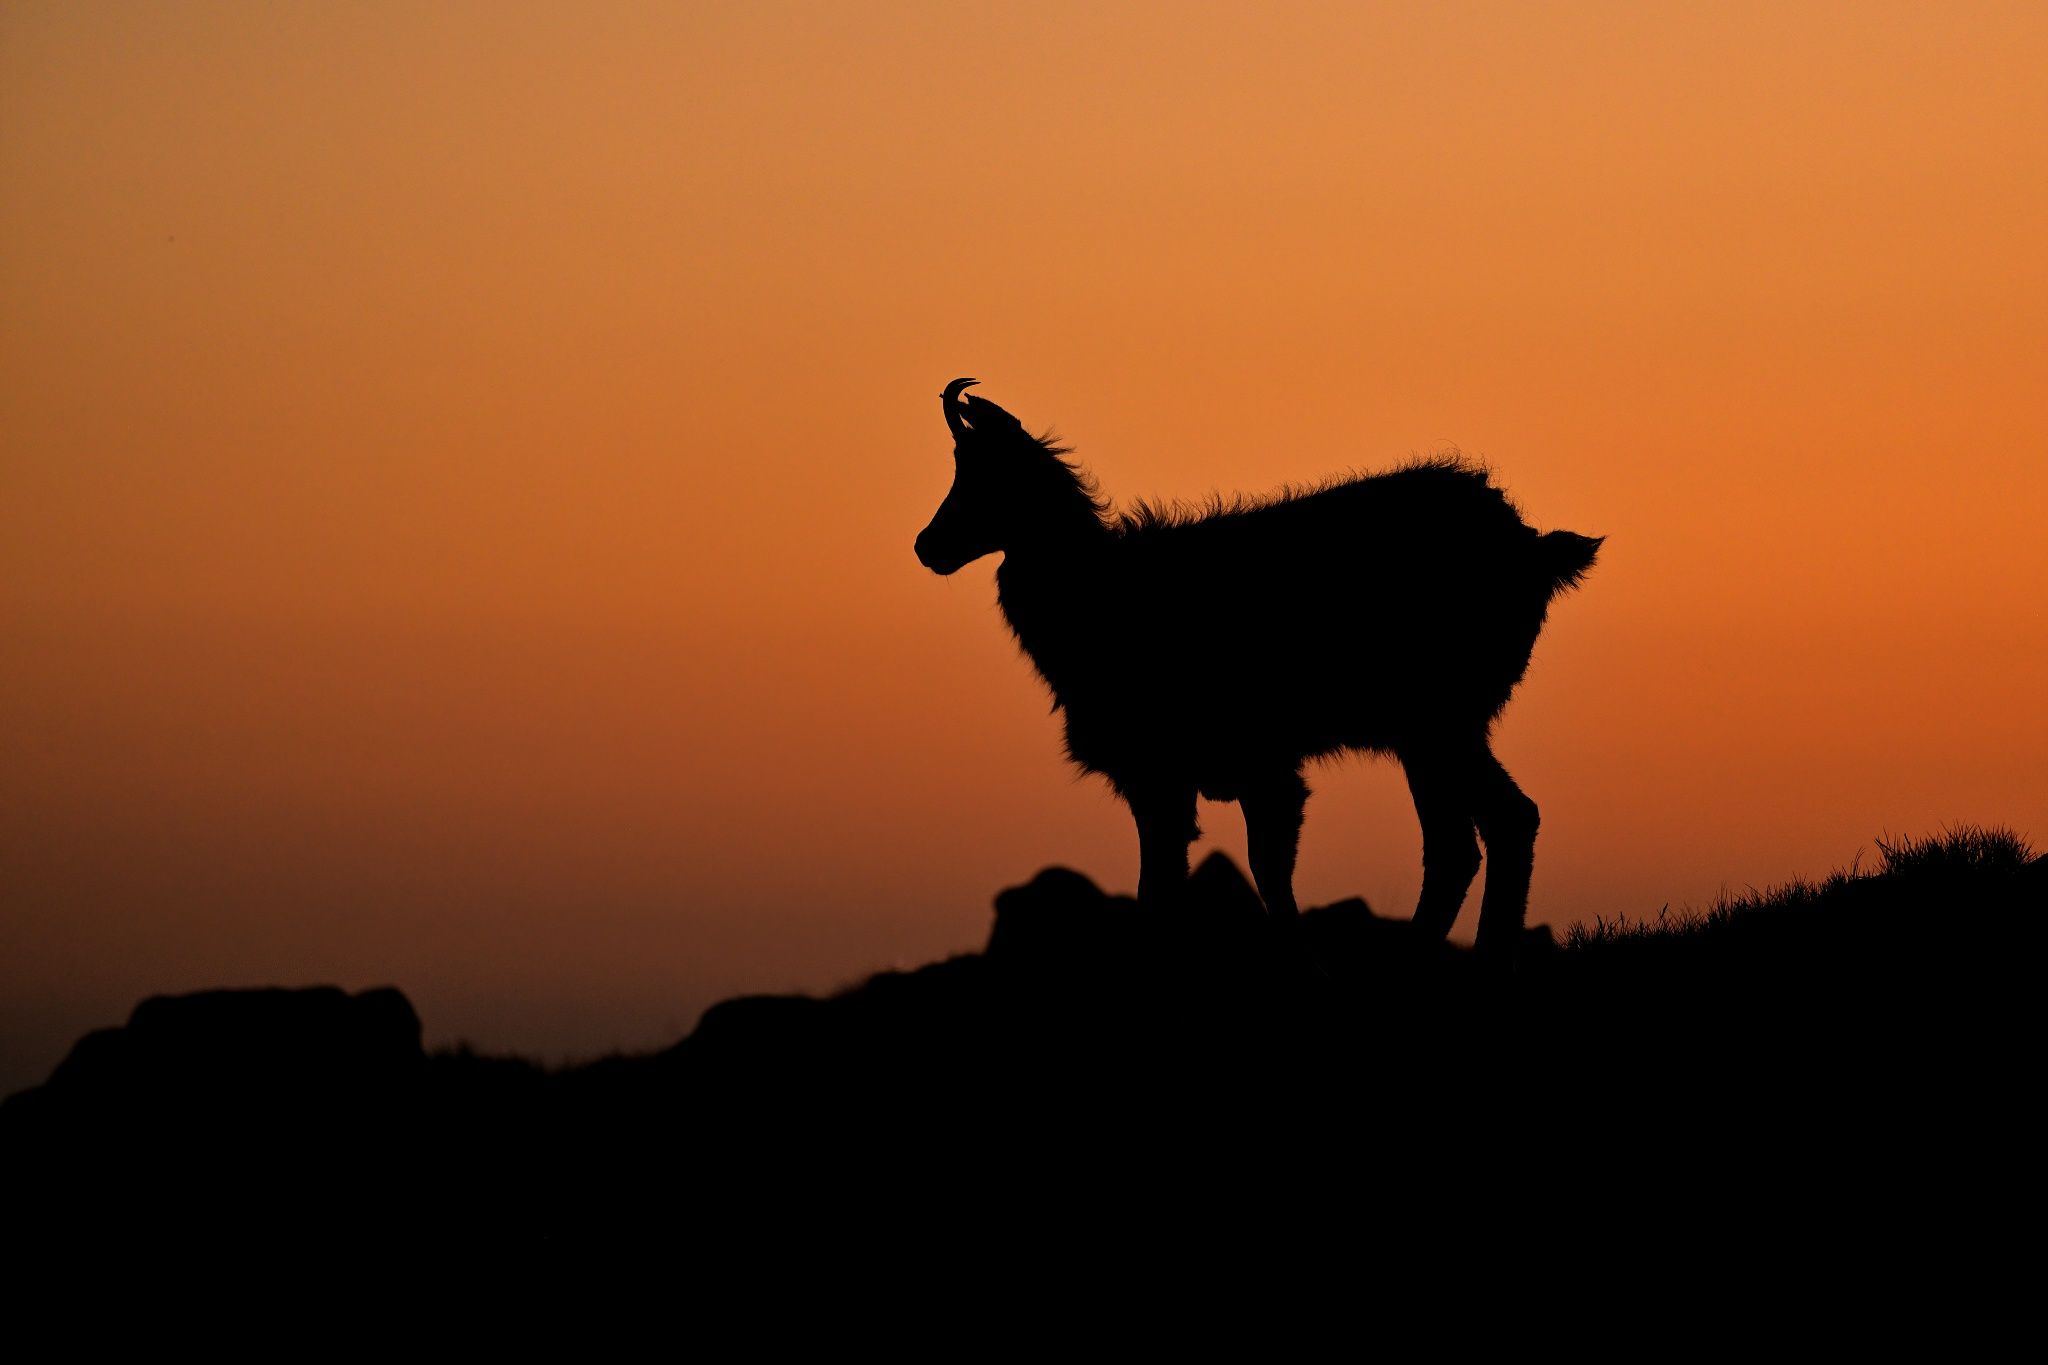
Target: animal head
[
  {"x": 975, "y": 518},
  {"x": 1009, "y": 488}
]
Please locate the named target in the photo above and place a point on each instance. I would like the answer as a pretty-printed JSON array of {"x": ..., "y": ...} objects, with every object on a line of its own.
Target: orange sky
[{"x": 458, "y": 464}]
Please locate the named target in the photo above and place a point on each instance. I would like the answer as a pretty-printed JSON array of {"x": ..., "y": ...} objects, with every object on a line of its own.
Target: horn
[{"x": 951, "y": 399}]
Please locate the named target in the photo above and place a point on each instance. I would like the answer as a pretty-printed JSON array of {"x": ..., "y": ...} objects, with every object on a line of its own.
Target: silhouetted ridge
[{"x": 1883, "y": 1019}]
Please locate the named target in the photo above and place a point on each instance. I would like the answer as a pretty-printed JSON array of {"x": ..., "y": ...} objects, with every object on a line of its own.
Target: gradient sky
[{"x": 458, "y": 463}]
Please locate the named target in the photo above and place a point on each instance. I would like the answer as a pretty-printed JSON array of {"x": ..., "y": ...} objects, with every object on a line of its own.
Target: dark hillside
[{"x": 1866, "y": 1045}]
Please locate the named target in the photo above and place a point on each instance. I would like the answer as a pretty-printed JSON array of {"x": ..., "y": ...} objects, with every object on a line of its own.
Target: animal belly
[{"x": 1240, "y": 726}]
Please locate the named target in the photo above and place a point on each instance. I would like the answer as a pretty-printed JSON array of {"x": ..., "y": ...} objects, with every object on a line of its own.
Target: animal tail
[{"x": 1565, "y": 557}]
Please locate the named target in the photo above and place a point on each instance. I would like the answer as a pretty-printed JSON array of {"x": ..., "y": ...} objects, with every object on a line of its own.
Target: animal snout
[{"x": 936, "y": 556}]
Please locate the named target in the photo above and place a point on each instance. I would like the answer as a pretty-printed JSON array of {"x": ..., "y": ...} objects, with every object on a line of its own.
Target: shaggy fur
[{"x": 1214, "y": 652}]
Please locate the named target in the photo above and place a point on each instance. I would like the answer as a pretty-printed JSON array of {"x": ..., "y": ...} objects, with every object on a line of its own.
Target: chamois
[{"x": 1216, "y": 652}]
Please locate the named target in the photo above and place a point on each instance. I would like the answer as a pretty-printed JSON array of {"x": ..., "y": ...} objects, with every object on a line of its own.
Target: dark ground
[{"x": 1829, "y": 1074}]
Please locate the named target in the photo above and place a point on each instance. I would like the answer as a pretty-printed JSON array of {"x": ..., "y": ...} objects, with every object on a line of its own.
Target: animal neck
[
  {"x": 1068, "y": 529},
  {"x": 1053, "y": 568},
  {"x": 1051, "y": 595},
  {"x": 1059, "y": 529}
]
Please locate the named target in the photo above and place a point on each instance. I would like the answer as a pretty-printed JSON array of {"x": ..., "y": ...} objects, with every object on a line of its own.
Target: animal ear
[{"x": 985, "y": 416}]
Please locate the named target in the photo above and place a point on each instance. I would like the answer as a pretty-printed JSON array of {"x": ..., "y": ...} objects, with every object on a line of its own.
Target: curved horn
[{"x": 951, "y": 399}]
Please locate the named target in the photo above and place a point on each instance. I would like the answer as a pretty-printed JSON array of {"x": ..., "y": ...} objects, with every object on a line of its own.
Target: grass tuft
[{"x": 1910, "y": 873}]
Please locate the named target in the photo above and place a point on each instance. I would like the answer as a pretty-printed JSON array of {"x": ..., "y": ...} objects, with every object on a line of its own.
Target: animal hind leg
[
  {"x": 1272, "y": 826},
  {"x": 1450, "y": 852},
  {"x": 1507, "y": 821},
  {"x": 1165, "y": 813}
]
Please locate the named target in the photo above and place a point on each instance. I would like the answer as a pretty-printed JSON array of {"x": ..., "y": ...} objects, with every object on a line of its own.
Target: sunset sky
[{"x": 459, "y": 462}]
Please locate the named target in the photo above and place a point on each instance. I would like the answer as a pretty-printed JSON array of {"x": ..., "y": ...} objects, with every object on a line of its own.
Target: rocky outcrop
[{"x": 268, "y": 1051}]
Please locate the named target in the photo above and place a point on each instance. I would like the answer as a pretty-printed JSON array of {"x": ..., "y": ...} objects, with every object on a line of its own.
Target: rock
[
  {"x": 1220, "y": 897},
  {"x": 1057, "y": 917},
  {"x": 233, "y": 1052}
]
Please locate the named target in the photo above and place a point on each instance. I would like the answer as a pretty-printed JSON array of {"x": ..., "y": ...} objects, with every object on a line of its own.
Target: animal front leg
[
  {"x": 1272, "y": 826},
  {"x": 1166, "y": 826}
]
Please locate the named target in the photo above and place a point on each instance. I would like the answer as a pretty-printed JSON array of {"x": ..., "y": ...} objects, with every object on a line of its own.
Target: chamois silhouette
[{"x": 1216, "y": 651}]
